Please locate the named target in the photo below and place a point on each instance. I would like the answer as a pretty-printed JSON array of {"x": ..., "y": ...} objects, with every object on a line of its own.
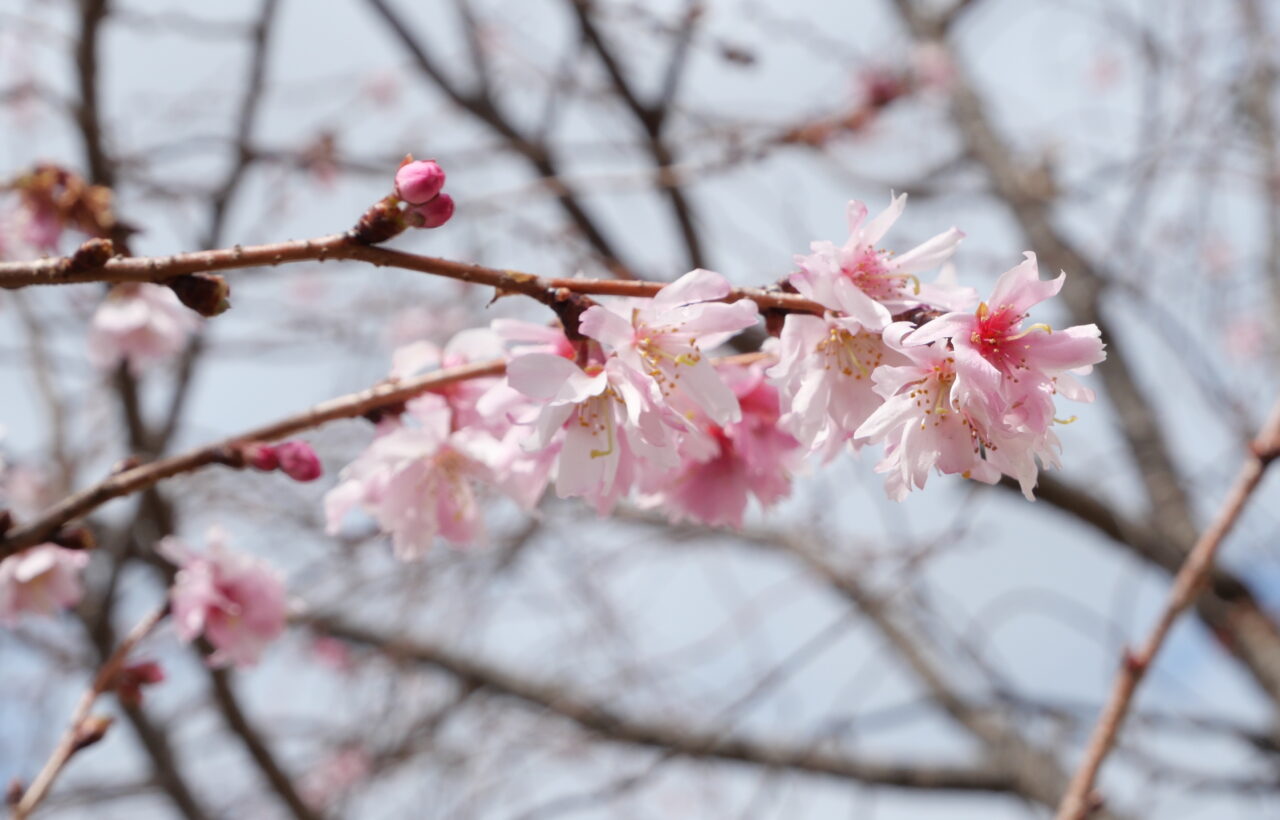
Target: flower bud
[
  {"x": 418, "y": 182},
  {"x": 432, "y": 214},
  {"x": 205, "y": 293},
  {"x": 299, "y": 461},
  {"x": 91, "y": 730},
  {"x": 262, "y": 457},
  {"x": 129, "y": 681}
]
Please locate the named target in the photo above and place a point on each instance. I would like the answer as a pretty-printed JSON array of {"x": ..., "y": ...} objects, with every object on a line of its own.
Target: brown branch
[
  {"x": 1194, "y": 573},
  {"x": 342, "y": 246},
  {"x": 238, "y": 722},
  {"x": 79, "y": 731},
  {"x": 680, "y": 739},
  {"x": 652, "y": 117},
  {"x": 148, "y": 475}
]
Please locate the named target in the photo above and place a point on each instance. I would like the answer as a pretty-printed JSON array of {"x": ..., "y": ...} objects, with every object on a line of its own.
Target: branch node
[
  {"x": 381, "y": 222},
  {"x": 205, "y": 293},
  {"x": 92, "y": 255}
]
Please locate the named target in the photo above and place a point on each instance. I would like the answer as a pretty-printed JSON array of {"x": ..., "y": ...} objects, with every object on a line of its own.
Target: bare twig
[
  {"x": 74, "y": 738},
  {"x": 1194, "y": 573}
]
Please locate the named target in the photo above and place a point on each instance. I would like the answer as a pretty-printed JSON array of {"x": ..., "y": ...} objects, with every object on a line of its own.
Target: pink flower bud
[
  {"x": 418, "y": 182},
  {"x": 432, "y": 214},
  {"x": 299, "y": 461},
  {"x": 262, "y": 457},
  {"x": 130, "y": 681}
]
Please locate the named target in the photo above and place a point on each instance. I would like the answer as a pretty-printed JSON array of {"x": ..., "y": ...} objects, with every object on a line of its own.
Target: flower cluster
[{"x": 630, "y": 402}]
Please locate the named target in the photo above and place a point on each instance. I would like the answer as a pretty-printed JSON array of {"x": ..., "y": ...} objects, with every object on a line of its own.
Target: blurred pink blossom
[
  {"x": 141, "y": 324},
  {"x": 41, "y": 580},
  {"x": 236, "y": 601}
]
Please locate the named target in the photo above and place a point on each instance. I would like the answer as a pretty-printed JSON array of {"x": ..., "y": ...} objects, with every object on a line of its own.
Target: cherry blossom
[
  {"x": 236, "y": 601},
  {"x": 725, "y": 466},
  {"x": 938, "y": 416},
  {"x": 1031, "y": 364},
  {"x": 664, "y": 339},
  {"x": 416, "y": 480},
  {"x": 846, "y": 278},
  {"x": 141, "y": 324},
  {"x": 41, "y": 580},
  {"x": 610, "y": 428},
  {"x": 824, "y": 372}
]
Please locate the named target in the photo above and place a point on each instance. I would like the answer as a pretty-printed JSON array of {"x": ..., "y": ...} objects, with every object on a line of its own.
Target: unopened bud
[
  {"x": 91, "y": 730},
  {"x": 14, "y": 793},
  {"x": 129, "y": 681},
  {"x": 299, "y": 461},
  {"x": 205, "y": 293},
  {"x": 261, "y": 457},
  {"x": 90, "y": 256},
  {"x": 432, "y": 214},
  {"x": 418, "y": 182}
]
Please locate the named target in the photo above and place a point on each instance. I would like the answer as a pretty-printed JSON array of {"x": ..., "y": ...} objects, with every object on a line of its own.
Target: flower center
[
  {"x": 869, "y": 271},
  {"x": 852, "y": 354},
  {"x": 998, "y": 333}
]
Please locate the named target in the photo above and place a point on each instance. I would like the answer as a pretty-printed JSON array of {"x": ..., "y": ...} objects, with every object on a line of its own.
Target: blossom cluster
[
  {"x": 627, "y": 400},
  {"x": 630, "y": 403}
]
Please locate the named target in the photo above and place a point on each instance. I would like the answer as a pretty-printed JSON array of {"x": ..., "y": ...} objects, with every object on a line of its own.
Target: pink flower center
[
  {"x": 998, "y": 334},
  {"x": 868, "y": 269}
]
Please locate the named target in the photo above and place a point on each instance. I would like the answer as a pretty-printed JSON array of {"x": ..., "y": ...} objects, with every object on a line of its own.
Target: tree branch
[
  {"x": 79, "y": 733},
  {"x": 679, "y": 739},
  {"x": 1194, "y": 573}
]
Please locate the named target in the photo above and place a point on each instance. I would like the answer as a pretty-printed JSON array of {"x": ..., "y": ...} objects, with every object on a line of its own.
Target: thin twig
[
  {"x": 147, "y": 475},
  {"x": 73, "y": 739},
  {"x": 1194, "y": 573}
]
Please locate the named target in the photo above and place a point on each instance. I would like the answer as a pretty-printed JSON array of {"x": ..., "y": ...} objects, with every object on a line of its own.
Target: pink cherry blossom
[
  {"x": 610, "y": 430},
  {"x": 725, "y": 466},
  {"x": 824, "y": 372},
  {"x": 664, "y": 339},
  {"x": 937, "y": 416},
  {"x": 1031, "y": 363},
  {"x": 844, "y": 278},
  {"x": 141, "y": 324},
  {"x": 416, "y": 480},
  {"x": 236, "y": 601},
  {"x": 41, "y": 580}
]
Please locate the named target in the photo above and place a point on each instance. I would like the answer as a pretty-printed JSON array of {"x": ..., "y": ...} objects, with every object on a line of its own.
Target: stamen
[
  {"x": 608, "y": 423},
  {"x": 1037, "y": 326}
]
